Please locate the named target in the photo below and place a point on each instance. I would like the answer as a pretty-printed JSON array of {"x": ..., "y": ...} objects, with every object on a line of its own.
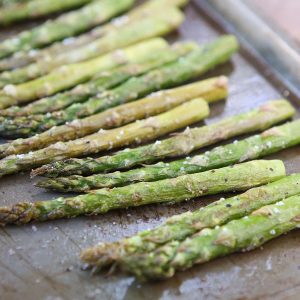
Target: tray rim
[{"x": 249, "y": 52}]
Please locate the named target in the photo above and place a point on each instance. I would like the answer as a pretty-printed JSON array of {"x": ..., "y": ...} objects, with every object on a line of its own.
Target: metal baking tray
[{"x": 41, "y": 261}]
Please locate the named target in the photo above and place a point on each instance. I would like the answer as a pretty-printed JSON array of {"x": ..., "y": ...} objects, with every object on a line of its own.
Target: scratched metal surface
[{"x": 40, "y": 261}]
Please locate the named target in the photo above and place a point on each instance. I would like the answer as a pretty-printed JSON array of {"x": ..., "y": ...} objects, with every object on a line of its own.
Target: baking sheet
[{"x": 40, "y": 261}]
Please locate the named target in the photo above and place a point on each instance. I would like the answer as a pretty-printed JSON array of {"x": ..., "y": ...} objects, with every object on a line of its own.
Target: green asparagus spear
[
  {"x": 140, "y": 131},
  {"x": 157, "y": 25},
  {"x": 270, "y": 141},
  {"x": 262, "y": 118},
  {"x": 71, "y": 75},
  {"x": 180, "y": 227},
  {"x": 192, "y": 65},
  {"x": 102, "y": 81},
  {"x": 244, "y": 234},
  {"x": 35, "y": 9},
  {"x": 238, "y": 177},
  {"x": 66, "y": 25},
  {"x": 210, "y": 90},
  {"x": 23, "y": 58}
]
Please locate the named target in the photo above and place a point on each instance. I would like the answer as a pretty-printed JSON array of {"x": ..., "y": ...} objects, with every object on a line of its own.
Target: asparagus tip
[
  {"x": 18, "y": 214},
  {"x": 98, "y": 256},
  {"x": 39, "y": 171},
  {"x": 87, "y": 255},
  {"x": 222, "y": 82},
  {"x": 42, "y": 184},
  {"x": 51, "y": 184}
]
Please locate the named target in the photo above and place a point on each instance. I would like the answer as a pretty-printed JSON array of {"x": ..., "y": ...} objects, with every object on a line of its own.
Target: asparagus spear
[
  {"x": 23, "y": 58},
  {"x": 140, "y": 131},
  {"x": 186, "y": 68},
  {"x": 238, "y": 177},
  {"x": 35, "y": 9},
  {"x": 66, "y": 25},
  {"x": 210, "y": 90},
  {"x": 157, "y": 25},
  {"x": 71, "y": 75},
  {"x": 243, "y": 235},
  {"x": 180, "y": 227},
  {"x": 270, "y": 141},
  {"x": 102, "y": 81},
  {"x": 262, "y": 118}
]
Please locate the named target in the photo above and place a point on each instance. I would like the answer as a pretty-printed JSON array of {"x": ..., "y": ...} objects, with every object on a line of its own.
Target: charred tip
[
  {"x": 100, "y": 256},
  {"x": 39, "y": 171},
  {"x": 21, "y": 213}
]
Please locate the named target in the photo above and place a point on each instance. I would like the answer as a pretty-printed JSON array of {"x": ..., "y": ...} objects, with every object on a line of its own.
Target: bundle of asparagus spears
[
  {"x": 241, "y": 223},
  {"x": 23, "y": 58},
  {"x": 65, "y": 25},
  {"x": 68, "y": 92}
]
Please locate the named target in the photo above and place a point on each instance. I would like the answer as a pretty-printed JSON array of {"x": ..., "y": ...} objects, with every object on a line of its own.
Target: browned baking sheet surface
[{"x": 40, "y": 261}]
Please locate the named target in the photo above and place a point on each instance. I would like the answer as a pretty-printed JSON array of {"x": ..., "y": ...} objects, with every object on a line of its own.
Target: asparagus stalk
[
  {"x": 66, "y": 25},
  {"x": 259, "y": 119},
  {"x": 270, "y": 141},
  {"x": 192, "y": 65},
  {"x": 71, "y": 75},
  {"x": 157, "y": 25},
  {"x": 140, "y": 131},
  {"x": 102, "y": 81},
  {"x": 238, "y": 177},
  {"x": 35, "y": 9},
  {"x": 210, "y": 90},
  {"x": 23, "y": 58},
  {"x": 243, "y": 235},
  {"x": 180, "y": 227}
]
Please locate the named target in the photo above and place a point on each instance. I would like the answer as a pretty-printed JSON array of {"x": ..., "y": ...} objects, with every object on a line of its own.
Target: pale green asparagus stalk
[
  {"x": 100, "y": 82},
  {"x": 137, "y": 132},
  {"x": 66, "y": 25},
  {"x": 239, "y": 235},
  {"x": 23, "y": 58},
  {"x": 186, "y": 68},
  {"x": 180, "y": 227},
  {"x": 35, "y": 9},
  {"x": 210, "y": 90},
  {"x": 238, "y": 177},
  {"x": 270, "y": 141},
  {"x": 72, "y": 75},
  {"x": 182, "y": 144},
  {"x": 158, "y": 25}
]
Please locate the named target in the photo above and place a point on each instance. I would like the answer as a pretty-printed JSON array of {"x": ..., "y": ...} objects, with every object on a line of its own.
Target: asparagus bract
[
  {"x": 157, "y": 25},
  {"x": 238, "y": 177},
  {"x": 188, "y": 67},
  {"x": 66, "y": 25},
  {"x": 137, "y": 132},
  {"x": 23, "y": 58},
  {"x": 102, "y": 81},
  {"x": 72, "y": 75},
  {"x": 243, "y": 234},
  {"x": 259, "y": 119},
  {"x": 36, "y": 8},
  {"x": 180, "y": 227},
  {"x": 270, "y": 141},
  {"x": 210, "y": 90}
]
